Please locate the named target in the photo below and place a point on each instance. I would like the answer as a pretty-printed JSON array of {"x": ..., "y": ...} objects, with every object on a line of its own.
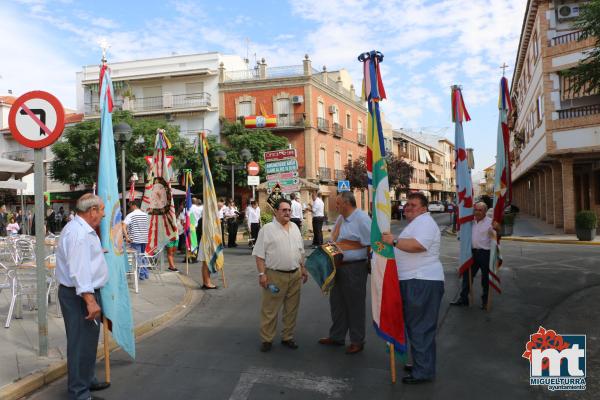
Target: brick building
[
  {"x": 317, "y": 111},
  {"x": 555, "y": 131}
]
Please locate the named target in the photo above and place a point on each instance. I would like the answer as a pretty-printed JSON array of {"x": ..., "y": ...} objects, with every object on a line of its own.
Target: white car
[{"x": 435, "y": 206}]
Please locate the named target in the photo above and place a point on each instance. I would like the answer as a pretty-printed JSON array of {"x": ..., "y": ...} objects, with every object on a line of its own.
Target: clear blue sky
[{"x": 428, "y": 46}]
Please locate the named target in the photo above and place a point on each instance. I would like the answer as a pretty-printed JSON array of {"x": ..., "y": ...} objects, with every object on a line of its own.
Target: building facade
[
  {"x": 555, "y": 131},
  {"x": 317, "y": 111}
]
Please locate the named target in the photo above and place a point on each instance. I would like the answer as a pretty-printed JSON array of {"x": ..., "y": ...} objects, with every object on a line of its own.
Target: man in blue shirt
[
  {"x": 81, "y": 271},
  {"x": 352, "y": 234}
]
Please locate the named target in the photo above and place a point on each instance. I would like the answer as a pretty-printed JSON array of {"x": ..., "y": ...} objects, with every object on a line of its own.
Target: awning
[
  {"x": 13, "y": 184},
  {"x": 431, "y": 175},
  {"x": 14, "y": 169}
]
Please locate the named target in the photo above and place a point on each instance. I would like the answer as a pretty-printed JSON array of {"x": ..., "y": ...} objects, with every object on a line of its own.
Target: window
[
  {"x": 337, "y": 160},
  {"x": 152, "y": 99},
  {"x": 322, "y": 157},
  {"x": 321, "y": 110},
  {"x": 536, "y": 49},
  {"x": 348, "y": 121},
  {"x": 194, "y": 88},
  {"x": 244, "y": 108},
  {"x": 350, "y": 159},
  {"x": 336, "y": 115},
  {"x": 540, "y": 109},
  {"x": 359, "y": 127},
  {"x": 283, "y": 112}
]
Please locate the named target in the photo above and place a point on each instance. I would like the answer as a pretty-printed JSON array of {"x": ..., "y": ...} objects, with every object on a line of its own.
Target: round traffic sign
[
  {"x": 36, "y": 119},
  {"x": 253, "y": 168}
]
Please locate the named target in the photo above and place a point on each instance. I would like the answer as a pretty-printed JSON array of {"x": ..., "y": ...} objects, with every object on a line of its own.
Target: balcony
[
  {"x": 577, "y": 112},
  {"x": 166, "y": 103},
  {"x": 338, "y": 130},
  {"x": 323, "y": 125},
  {"x": 562, "y": 39},
  {"x": 19, "y": 155},
  {"x": 362, "y": 139},
  {"x": 324, "y": 174},
  {"x": 290, "y": 121},
  {"x": 340, "y": 174}
]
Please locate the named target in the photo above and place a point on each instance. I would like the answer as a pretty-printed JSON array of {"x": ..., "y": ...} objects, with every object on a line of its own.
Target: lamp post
[
  {"x": 245, "y": 155},
  {"x": 122, "y": 133}
]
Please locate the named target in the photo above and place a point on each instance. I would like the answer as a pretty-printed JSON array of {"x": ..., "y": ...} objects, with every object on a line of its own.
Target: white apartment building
[{"x": 183, "y": 89}]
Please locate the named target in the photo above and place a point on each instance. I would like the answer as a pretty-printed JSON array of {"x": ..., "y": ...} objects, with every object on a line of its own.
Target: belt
[
  {"x": 354, "y": 261},
  {"x": 287, "y": 271},
  {"x": 73, "y": 287},
  {"x": 480, "y": 249}
]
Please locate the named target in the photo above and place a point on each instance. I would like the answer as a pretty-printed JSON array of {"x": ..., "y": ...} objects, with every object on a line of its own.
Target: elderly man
[
  {"x": 421, "y": 275},
  {"x": 81, "y": 271},
  {"x": 279, "y": 252},
  {"x": 296, "y": 211},
  {"x": 484, "y": 231},
  {"x": 352, "y": 234},
  {"x": 318, "y": 217}
]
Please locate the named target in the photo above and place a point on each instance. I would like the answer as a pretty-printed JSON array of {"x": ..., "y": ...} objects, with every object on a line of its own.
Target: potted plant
[
  {"x": 508, "y": 221},
  {"x": 586, "y": 223}
]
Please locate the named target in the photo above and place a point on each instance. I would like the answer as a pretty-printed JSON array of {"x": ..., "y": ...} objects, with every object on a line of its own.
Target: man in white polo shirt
[
  {"x": 318, "y": 217},
  {"x": 417, "y": 251}
]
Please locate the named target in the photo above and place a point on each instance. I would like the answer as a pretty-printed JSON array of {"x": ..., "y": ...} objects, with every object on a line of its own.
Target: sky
[{"x": 427, "y": 45}]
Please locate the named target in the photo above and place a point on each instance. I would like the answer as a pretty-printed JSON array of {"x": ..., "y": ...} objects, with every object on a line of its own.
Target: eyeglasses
[{"x": 286, "y": 210}]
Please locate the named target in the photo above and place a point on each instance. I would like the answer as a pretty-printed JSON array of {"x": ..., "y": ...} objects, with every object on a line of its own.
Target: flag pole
[
  {"x": 392, "y": 362},
  {"x": 470, "y": 286},
  {"x": 106, "y": 349}
]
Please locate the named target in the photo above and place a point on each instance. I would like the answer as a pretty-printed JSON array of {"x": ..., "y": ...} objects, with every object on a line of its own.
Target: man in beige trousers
[{"x": 279, "y": 252}]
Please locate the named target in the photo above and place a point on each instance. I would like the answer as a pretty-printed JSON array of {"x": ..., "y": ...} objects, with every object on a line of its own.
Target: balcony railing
[
  {"x": 290, "y": 120},
  {"x": 323, "y": 125},
  {"x": 165, "y": 103},
  {"x": 338, "y": 130},
  {"x": 562, "y": 39},
  {"x": 577, "y": 112},
  {"x": 362, "y": 139},
  {"x": 19, "y": 155},
  {"x": 340, "y": 174},
  {"x": 324, "y": 173},
  {"x": 93, "y": 108}
]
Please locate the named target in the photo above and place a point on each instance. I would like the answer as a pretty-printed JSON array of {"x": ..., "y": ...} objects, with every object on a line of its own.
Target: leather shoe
[
  {"x": 412, "y": 380},
  {"x": 354, "y": 348},
  {"x": 99, "y": 386},
  {"x": 460, "y": 303},
  {"x": 408, "y": 367},
  {"x": 327, "y": 341},
  {"x": 290, "y": 343},
  {"x": 265, "y": 346}
]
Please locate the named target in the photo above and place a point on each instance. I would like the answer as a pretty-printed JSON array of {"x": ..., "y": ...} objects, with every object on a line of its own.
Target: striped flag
[
  {"x": 115, "y": 294},
  {"x": 501, "y": 179},
  {"x": 158, "y": 198},
  {"x": 464, "y": 187},
  {"x": 386, "y": 301},
  {"x": 212, "y": 242}
]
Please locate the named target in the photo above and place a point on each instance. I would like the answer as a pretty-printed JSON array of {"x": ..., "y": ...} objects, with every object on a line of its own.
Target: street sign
[
  {"x": 253, "y": 180},
  {"x": 343, "y": 186},
  {"x": 283, "y": 182},
  {"x": 253, "y": 168},
  {"x": 281, "y": 166},
  {"x": 283, "y": 175},
  {"x": 291, "y": 189},
  {"x": 278, "y": 155},
  {"x": 36, "y": 119}
]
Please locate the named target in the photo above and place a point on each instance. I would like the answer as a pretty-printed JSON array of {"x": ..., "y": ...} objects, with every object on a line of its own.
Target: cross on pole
[{"x": 503, "y": 66}]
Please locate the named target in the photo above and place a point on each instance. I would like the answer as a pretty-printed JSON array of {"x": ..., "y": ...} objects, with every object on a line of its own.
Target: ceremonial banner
[
  {"x": 464, "y": 187},
  {"x": 189, "y": 228},
  {"x": 115, "y": 294},
  {"x": 158, "y": 199},
  {"x": 388, "y": 316},
  {"x": 212, "y": 242},
  {"x": 502, "y": 178}
]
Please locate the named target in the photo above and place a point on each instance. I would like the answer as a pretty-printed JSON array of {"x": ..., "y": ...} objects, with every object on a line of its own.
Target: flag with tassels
[
  {"x": 464, "y": 187},
  {"x": 116, "y": 306},
  {"x": 386, "y": 301},
  {"x": 158, "y": 197},
  {"x": 211, "y": 242},
  {"x": 502, "y": 184},
  {"x": 189, "y": 228}
]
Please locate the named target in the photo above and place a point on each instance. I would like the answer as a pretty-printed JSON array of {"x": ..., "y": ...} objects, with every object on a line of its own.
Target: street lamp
[
  {"x": 245, "y": 155},
  {"x": 122, "y": 134}
]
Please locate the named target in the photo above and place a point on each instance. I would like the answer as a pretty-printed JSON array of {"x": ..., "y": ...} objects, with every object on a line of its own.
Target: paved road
[{"x": 213, "y": 352}]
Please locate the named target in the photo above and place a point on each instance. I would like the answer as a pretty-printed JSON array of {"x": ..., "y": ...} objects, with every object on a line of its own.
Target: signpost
[
  {"x": 253, "y": 180},
  {"x": 282, "y": 169},
  {"x": 278, "y": 155},
  {"x": 281, "y": 166},
  {"x": 36, "y": 120}
]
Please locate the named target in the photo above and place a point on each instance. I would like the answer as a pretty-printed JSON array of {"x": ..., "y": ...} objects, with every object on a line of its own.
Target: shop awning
[{"x": 431, "y": 175}]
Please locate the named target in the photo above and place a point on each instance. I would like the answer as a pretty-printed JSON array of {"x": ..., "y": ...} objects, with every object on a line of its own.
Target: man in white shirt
[
  {"x": 318, "y": 217},
  {"x": 137, "y": 223},
  {"x": 253, "y": 218},
  {"x": 421, "y": 275},
  {"x": 197, "y": 210},
  {"x": 296, "y": 211},
  {"x": 279, "y": 252},
  {"x": 81, "y": 271},
  {"x": 221, "y": 215},
  {"x": 482, "y": 236}
]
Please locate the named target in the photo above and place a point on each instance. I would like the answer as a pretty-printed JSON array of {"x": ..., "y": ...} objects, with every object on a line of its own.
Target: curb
[
  {"x": 550, "y": 241},
  {"x": 54, "y": 371}
]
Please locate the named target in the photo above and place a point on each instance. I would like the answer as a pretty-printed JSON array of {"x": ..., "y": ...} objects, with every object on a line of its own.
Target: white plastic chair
[
  {"x": 132, "y": 259},
  {"x": 154, "y": 263}
]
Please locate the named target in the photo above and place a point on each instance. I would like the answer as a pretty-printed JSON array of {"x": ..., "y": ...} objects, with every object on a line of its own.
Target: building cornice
[{"x": 527, "y": 27}]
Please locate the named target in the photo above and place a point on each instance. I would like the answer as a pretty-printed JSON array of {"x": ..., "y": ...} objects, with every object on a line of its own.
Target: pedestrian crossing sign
[{"x": 343, "y": 186}]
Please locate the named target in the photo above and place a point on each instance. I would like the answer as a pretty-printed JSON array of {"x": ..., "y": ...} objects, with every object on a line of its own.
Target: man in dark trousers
[{"x": 81, "y": 271}]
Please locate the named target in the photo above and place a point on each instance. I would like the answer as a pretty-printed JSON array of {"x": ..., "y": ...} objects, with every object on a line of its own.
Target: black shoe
[
  {"x": 460, "y": 303},
  {"x": 99, "y": 386},
  {"x": 290, "y": 343},
  {"x": 265, "y": 346},
  {"x": 484, "y": 307},
  {"x": 409, "y": 379},
  {"x": 408, "y": 367}
]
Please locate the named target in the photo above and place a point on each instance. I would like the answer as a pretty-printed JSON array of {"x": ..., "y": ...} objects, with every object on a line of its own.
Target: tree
[
  {"x": 399, "y": 173},
  {"x": 356, "y": 173},
  {"x": 586, "y": 74}
]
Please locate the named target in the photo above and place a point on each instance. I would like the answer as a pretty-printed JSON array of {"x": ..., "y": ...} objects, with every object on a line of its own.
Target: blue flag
[{"x": 115, "y": 294}]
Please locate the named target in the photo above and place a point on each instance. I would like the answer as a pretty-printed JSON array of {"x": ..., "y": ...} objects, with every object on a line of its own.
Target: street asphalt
[{"x": 213, "y": 352}]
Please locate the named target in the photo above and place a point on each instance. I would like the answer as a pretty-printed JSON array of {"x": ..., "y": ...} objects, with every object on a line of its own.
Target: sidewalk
[
  {"x": 155, "y": 303},
  {"x": 530, "y": 229}
]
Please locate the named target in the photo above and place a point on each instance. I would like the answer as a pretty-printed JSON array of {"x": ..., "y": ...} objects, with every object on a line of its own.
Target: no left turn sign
[{"x": 36, "y": 119}]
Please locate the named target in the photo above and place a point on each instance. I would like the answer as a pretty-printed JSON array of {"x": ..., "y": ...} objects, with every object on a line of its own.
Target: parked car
[
  {"x": 435, "y": 206},
  {"x": 398, "y": 208}
]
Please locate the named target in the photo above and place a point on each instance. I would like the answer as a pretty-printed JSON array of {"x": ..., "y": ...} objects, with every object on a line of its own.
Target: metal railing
[
  {"x": 577, "y": 112},
  {"x": 566, "y": 38},
  {"x": 270, "y": 73},
  {"x": 19, "y": 155},
  {"x": 323, "y": 125},
  {"x": 93, "y": 108},
  {"x": 291, "y": 120},
  {"x": 324, "y": 173},
  {"x": 169, "y": 101},
  {"x": 340, "y": 174},
  {"x": 362, "y": 139},
  {"x": 338, "y": 130}
]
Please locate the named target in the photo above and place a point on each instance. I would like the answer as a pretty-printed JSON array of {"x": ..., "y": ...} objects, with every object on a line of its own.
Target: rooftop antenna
[{"x": 504, "y": 67}]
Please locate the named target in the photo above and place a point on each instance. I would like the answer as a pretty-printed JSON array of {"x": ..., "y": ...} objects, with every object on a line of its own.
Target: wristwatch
[
  {"x": 395, "y": 242},
  {"x": 261, "y": 273}
]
